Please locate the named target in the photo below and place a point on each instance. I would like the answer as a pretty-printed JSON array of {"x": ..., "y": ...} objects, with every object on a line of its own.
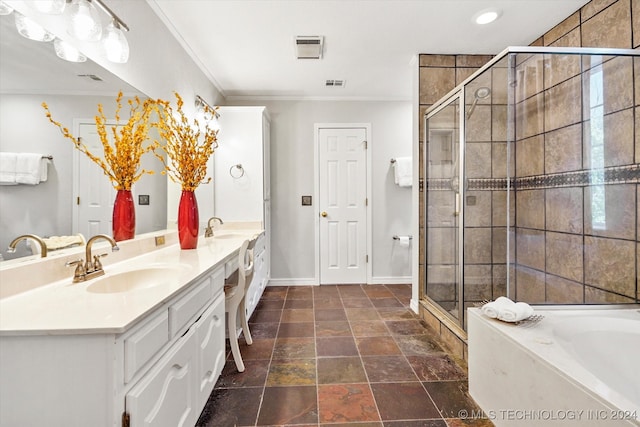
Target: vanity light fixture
[
  {"x": 5, "y": 9},
  {"x": 83, "y": 21},
  {"x": 486, "y": 16},
  {"x": 50, "y": 7},
  {"x": 200, "y": 104},
  {"x": 31, "y": 30},
  {"x": 68, "y": 52},
  {"x": 115, "y": 43}
]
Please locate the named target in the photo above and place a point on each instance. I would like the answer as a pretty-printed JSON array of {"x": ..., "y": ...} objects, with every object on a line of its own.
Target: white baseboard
[
  {"x": 392, "y": 280},
  {"x": 414, "y": 305},
  {"x": 293, "y": 282}
]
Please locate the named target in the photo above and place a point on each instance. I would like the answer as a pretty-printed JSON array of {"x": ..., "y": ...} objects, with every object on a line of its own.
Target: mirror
[{"x": 30, "y": 73}]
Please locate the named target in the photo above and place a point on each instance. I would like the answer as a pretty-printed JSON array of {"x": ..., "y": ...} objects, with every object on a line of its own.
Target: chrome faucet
[
  {"x": 208, "y": 232},
  {"x": 89, "y": 269},
  {"x": 43, "y": 246}
]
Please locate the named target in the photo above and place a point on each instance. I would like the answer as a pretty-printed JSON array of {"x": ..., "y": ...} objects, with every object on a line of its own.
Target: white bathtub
[{"x": 577, "y": 366}]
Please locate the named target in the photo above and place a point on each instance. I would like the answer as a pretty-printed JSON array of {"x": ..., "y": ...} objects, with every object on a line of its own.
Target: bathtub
[{"x": 576, "y": 366}]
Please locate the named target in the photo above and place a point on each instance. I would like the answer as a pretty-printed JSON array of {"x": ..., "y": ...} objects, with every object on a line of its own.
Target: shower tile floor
[{"x": 346, "y": 355}]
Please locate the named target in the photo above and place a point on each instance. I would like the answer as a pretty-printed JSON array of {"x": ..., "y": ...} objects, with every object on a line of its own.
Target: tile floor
[{"x": 345, "y": 355}]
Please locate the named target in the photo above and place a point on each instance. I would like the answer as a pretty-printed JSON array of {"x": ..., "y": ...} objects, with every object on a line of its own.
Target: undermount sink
[{"x": 143, "y": 278}]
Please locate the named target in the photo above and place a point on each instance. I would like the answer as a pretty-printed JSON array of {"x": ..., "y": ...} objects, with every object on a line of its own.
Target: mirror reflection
[{"x": 75, "y": 198}]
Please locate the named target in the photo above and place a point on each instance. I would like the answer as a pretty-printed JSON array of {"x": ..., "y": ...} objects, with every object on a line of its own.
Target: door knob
[{"x": 323, "y": 214}]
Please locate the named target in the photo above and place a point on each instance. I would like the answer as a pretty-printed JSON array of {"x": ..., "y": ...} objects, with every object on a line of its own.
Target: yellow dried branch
[
  {"x": 187, "y": 147},
  {"x": 121, "y": 162}
]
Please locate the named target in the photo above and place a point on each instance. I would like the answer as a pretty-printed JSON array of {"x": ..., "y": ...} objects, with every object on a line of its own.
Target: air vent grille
[
  {"x": 309, "y": 47},
  {"x": 334, "y": 83},
  {"x": 91, "y": 76}
]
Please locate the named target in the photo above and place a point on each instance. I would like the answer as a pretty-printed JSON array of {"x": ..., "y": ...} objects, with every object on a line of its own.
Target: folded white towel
[
  {"x": 403, "y": 171},
  {"x": 60, "y": 242},
  {"x": 516, "y": 312},
  {"x": 492, "y": 309},
  {"x": 8, "y": 163},
  {"x": 44, "y": 169},
  {"x": 28, "y": 168}
]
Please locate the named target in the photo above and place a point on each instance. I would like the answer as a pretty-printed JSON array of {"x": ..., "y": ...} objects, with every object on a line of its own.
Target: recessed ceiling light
[{"x": 486, "y": 16}]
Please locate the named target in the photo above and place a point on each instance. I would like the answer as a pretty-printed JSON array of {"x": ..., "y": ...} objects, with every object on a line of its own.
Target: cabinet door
[
  {"x": 210, "y": 331},
  {"x": 166, "y": 396}
]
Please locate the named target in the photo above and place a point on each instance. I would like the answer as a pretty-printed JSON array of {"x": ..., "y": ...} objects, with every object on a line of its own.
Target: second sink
[{"x": 143, "y": 278}]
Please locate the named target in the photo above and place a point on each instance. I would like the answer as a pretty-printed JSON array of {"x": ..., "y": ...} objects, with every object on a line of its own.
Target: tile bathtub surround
[{"x": 347, "y": 355}]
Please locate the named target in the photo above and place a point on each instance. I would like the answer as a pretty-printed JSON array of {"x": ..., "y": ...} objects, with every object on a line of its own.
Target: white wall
[{"x": 292, "y": 166}]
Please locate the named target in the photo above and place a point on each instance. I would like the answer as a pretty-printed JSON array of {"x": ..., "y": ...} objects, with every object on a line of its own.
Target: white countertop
[{"x": 63, "y": 307}]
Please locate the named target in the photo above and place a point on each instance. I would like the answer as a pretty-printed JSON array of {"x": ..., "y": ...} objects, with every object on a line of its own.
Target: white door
[
  {"x": 95, "y": 197},
  {"x": 342, "y": 204}
]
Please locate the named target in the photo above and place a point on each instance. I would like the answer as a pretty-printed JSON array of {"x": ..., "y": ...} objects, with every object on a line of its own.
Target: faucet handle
[
  {"x": 79, "y": 273},
  {"x": 97, "y": 265}
]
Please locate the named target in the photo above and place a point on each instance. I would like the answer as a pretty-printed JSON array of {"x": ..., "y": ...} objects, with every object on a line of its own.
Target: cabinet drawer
[
  {"x": 143, "y": 344},
  {"x": 165, "y": 397},
  {"x": 210, "y": 334},
  {"x": 230, "y": 267},
  {"x": 188, "y": 306}
]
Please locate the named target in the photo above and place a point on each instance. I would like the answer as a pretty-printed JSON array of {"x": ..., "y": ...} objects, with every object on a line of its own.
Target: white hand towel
[
  {"x": 515, "y": 313},
  {"x": 403, "y": 171},
  {"x": 492, "y": 309},
  {"x": 44, "y": 169},
  {"x": 8, "y": 162},
  {"x": 28, "y": 168}
]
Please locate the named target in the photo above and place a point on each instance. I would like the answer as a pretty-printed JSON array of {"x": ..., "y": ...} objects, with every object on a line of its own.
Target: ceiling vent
[
  {"x": 91, "y": 76},
  {"x": 334, "y": 83},
  {"x": 309, "y": 47}
]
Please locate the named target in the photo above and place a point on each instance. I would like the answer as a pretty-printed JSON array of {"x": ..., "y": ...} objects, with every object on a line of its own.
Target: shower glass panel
[
  {"x": 443, "y": 206},
  {"x": 532, "y": 182}
]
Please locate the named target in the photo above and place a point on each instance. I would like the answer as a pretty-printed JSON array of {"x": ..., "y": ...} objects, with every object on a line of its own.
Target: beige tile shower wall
[{"x": 561, "y": 255}]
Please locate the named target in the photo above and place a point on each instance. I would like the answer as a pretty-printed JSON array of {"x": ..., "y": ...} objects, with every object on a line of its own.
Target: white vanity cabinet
[
  {"x": 177, "y": 387},
  {"x": 160, "y": 372},
  {"x": 243, "y": 194}
]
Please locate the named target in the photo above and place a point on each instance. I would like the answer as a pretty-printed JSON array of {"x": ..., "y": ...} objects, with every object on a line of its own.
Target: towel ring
[{"x": 238, "y": 166}]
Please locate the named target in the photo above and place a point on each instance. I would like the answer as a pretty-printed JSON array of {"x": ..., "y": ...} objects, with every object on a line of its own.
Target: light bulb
[
  {"x": 84, "y": 21},
  {"x": 51, "y": 7},
  {"x": 115, "y": 44},
  {"x": 5, "y": 9},
  {"x": 68, "y": 52},
  {"x": 31, "y": 30}
]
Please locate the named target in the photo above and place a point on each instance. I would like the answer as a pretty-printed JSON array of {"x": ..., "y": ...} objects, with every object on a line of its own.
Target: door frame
[{"x": 316, "y": 192}]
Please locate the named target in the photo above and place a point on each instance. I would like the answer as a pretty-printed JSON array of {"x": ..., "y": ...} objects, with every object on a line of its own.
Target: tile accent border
[{"x": 629, "y": 174}]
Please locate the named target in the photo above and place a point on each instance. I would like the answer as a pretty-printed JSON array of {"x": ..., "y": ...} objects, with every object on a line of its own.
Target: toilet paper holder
[{"x": 396, "y": 237}]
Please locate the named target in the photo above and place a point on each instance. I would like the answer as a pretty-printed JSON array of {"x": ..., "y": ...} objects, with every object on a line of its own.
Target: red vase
[
  {"x": 188, "y": 220},
  {"x": 124, "y": 216}
]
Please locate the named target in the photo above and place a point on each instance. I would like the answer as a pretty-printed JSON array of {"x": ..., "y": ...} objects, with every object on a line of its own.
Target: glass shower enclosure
[{"x": 532, "y": 167}]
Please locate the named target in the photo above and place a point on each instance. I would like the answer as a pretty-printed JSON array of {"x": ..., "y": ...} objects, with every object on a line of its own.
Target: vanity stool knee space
[{"x": 235, "y": 291}]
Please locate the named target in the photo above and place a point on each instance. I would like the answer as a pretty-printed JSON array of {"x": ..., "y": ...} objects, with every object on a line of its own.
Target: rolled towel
[
  {"x": 516, "y": 312},
  {"x": 492, "y": 309}
]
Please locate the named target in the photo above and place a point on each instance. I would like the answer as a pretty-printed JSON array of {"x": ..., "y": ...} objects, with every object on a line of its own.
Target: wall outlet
[{"x": 159, "y": 240}]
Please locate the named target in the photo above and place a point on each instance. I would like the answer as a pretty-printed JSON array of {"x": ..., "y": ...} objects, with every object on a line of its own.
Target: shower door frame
[
  {"x": 459, "y": 95},
  {"x": 460, "y": 92}
]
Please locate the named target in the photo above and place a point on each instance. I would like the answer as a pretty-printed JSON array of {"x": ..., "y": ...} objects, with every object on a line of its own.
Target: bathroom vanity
[{"x": 142, "y": 345}]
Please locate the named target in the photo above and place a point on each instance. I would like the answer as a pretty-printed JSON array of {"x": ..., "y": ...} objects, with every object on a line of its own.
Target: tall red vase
[
  {"x": 188, "y": 220},
  {"x": 124, "y": 216}
]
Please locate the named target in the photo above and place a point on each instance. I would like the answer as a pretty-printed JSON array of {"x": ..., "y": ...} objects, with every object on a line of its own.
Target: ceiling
[{"x": 246, "y": 47}]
